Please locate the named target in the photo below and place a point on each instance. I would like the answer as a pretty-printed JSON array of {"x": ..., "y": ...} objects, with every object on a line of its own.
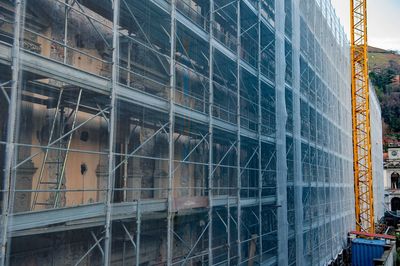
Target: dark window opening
[{"x": 84, "y": 136}]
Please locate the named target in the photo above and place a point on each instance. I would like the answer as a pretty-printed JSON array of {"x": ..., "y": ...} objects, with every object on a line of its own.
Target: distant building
[{"x": 392, "y": 178}]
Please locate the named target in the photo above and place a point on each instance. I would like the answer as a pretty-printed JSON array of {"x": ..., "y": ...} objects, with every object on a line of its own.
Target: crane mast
[{"x": 363, "y": 185}]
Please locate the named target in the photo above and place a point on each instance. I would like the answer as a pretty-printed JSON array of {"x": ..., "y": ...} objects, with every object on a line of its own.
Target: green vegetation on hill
[{"x": 384, "y": 67}]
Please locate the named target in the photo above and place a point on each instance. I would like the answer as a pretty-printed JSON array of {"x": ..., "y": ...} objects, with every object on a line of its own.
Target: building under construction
[{"x": 174, "y": 132}]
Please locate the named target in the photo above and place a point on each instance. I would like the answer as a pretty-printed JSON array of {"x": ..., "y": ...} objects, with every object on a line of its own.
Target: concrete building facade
[{"x": 391, "y": 180}]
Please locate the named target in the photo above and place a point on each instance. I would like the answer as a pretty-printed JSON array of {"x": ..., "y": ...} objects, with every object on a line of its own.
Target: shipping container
[{"x": 364, "y": 251}]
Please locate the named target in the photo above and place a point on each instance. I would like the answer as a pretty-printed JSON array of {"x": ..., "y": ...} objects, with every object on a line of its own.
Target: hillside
[
  {"x": 384, "y": 73},
  {"x": 380, "y": 59}
]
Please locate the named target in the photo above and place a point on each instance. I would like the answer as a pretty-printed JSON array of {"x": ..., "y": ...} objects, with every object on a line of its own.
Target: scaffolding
[
  {"x": 377, "y": 153},
  {"x": 168, "y": 132}
]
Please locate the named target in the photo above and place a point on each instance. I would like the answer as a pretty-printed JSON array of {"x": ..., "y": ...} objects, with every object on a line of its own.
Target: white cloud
[{"x": 383, "y": 21}]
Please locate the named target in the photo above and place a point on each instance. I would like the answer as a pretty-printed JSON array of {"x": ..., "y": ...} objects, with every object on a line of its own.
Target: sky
[{"x": 383, "y": 21}]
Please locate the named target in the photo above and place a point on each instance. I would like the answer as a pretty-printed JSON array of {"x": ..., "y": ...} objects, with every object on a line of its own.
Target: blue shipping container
[{"x": 363, "y": 251}]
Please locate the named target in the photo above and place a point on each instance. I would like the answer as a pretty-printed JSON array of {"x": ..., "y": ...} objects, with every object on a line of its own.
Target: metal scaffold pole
[
  {"x": 9, "y": 173},
  {"x": 211, "y": 136},
  {"x": 111, "y": 139},
  {"x": 238, "y": 136},
  {"x": 297, "y": 178},
  {"x": 260, "y": 171},
  {"x": 281, "y": 116},
  {"x": 170, "y": 222}
]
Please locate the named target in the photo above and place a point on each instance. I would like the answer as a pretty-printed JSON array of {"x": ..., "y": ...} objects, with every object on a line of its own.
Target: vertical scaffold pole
[
  {"x": 112, "y": 124},
  {"x": 170, "y": 221},
  {"x": 260, "y": 171},
  {"x": 211, "y": 135},
  {"x": 9, "y": 174},
  {"x": 239, "y": 210}
]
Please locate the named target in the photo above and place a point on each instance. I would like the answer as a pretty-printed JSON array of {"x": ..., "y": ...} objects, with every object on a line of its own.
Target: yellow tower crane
[{"x": 363, "y": 188}]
